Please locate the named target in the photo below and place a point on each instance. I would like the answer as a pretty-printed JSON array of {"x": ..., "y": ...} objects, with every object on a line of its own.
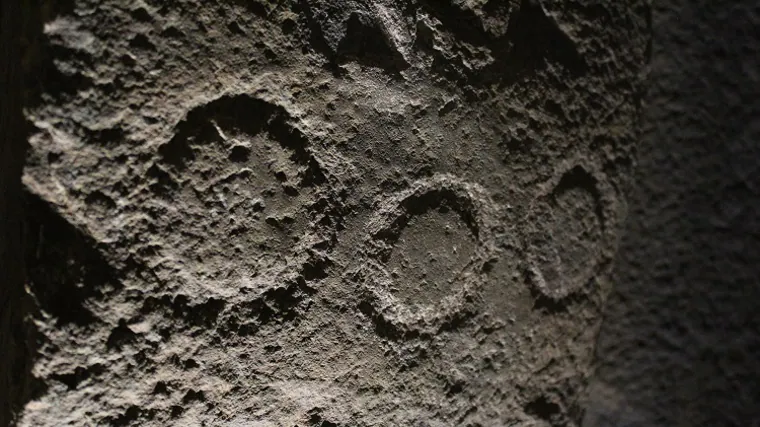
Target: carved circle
[
  {"x": 252, "y": 182},
  {"x": 569, "y": 232},
  {"x": 444, "y": 193}
]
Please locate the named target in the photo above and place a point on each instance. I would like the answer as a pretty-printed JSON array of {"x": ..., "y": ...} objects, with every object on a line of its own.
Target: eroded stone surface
[
  {"x": 264, "y": 199},
  {"x": 568, "y": 244},
  {"x": 431, "y": 254}
]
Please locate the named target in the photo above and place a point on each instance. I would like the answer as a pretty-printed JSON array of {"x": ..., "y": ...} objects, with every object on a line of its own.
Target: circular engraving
[
  {"x": 425, "y": 253},
  {"x": 250, "y": 180},
  {"x": 568, "y": 237}
]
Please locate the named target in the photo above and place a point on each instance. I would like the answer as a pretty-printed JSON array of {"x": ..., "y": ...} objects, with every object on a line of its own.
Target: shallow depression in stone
[
  {"x": 428, "y": 259},
  {"x": 569, "y": 252}
]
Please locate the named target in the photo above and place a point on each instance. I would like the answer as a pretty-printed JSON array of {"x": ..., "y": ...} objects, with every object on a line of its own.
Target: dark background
[
  {"x": 680, "y": 344},
  {"x": 14, "y": 350},
  {"x": 681, "y": 340}
]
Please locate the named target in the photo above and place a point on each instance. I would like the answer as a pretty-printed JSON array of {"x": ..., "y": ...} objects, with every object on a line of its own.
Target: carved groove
[
  {"x": 394, "y": 315},
  {"x": 566, "y": 248}
]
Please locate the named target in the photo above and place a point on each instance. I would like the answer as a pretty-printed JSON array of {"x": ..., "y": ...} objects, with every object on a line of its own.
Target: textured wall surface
[
  {"x": 681, "y": 339},
  {"x": 325, "y": 213},
  {"x": 155, "y": 307}
]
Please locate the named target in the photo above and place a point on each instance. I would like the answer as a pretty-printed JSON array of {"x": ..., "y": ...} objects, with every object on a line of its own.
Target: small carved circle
[
  {"x": 568, "y": 236},
  {"x": 448, "y": 225},
  {"x": 251, "y": 180}
]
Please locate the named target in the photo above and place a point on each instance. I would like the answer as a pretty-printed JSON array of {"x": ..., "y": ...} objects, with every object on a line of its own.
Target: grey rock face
[{"x": 327, "y": 213}]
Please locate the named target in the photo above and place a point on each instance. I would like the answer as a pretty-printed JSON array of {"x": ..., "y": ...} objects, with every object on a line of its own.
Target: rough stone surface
[
  {"x": 326, "y": 213},
  {"x": 681, "y": 337}
]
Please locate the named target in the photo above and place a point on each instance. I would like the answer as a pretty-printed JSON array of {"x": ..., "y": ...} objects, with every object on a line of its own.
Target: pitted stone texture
[{"x": 259, "y": 195}]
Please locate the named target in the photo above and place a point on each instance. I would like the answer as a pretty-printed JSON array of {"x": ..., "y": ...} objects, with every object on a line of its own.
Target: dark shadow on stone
[
  {"x": 64, "y": 269},
  {"x": 543, "y": 408},
  {"x": 39, "y": 54},
  {"x": 681, "y": 338},
  {"x": 366, "y": 43},
  {"x": 316, "y": 36},
  {"x": 532, "y": 41},
  {"x": 63, "y": 273}
]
